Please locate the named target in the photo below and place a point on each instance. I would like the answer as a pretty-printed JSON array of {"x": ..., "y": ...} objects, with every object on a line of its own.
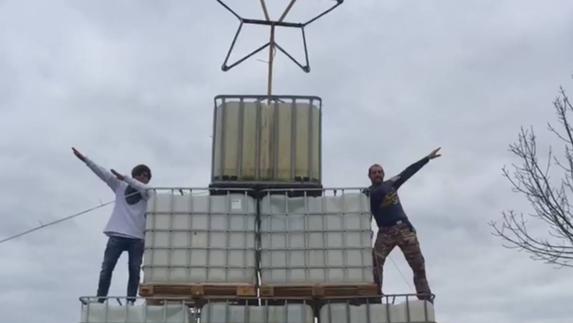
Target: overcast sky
[{"x": 133, "y": 81}]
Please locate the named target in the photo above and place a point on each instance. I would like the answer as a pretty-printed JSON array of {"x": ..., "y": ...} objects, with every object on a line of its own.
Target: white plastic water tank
[
  {"x": 413, "y": 311},
  {"x": 324, "y": 239},
  {"x": 226, "y": 313},
  {"x": 110, "y": 313},
  {"x": 255, "y": 140},
  {"x": 196, "y": 237}
]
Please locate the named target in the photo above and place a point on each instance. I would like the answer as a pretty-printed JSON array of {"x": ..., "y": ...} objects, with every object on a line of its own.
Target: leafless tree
[{"x": 546, "y": 181}]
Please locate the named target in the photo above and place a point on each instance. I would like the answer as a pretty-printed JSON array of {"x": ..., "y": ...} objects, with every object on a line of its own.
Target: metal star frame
[{"x": 272, "y": 44}]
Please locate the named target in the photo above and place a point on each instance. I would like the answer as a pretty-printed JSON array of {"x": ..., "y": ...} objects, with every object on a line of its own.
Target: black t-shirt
[{"x": 384, "y": 201}]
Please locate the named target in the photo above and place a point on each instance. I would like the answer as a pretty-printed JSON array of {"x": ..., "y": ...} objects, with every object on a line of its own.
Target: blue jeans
[{"x": 115, "y": 246}]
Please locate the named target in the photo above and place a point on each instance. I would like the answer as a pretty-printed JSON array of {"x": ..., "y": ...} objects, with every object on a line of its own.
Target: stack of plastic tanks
[
  {"x": 313, "y": 244},
  {"x": 265, "y": 242}
]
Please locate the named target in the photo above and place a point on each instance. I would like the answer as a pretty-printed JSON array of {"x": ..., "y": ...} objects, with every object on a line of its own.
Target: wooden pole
[{"x": 271, "y": 61}]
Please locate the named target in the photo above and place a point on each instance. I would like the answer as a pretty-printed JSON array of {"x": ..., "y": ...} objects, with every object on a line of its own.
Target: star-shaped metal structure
[{"x": 272, "y": 44}]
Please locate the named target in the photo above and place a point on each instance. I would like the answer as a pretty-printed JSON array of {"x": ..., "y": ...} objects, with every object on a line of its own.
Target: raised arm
[
  {"x": 101, "y": 172},
  {"x": 139, "y": 186},
  {"x": 398, "y": 180}
]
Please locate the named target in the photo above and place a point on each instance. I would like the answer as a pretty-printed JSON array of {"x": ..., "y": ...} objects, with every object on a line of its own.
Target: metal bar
[
  {"x": 154, "y": 221},
  {"x": 305, "y": 50},
  {"x": 224, "y": 66},
  {"x": 265, "y": 11},
  {"x": 304, "y": 68},
  {"x": 189, "y": 238},
  {"x": 247, "y": 312},
  {"x": 342, "y": 216},
  {"x": 214, "y": 139},
  {"x": 310, "y": 151},
  {"x": 258, "y": 243},
  {"x": 205, "y": 190},
  {"x": 286, "y": 10},
  {"x": 306, "y": 237},
  {"x": 240, "y": 139},
  {"x": 258, "y": 135},
  {"x": 208, "y": 250},
  {"x": 223, "y": 137},
  {"x": 275, "y": 140},
  {"x": 273, "y": 23},
  {"x": 293, "y": 140},
  {"x": 339, "y": 2},
  {"x": 320, "y": 141},
  {"x": 191, "y": 213},
  {"x": 170, "y": 237},
  {"x": 230, "y": 10},
  {"x": 325, "y": 245},
  {"x": 210, "y": 266},
  {"x": 228, "y": 67},
  {"x": 228, "y": 235},
  {"x": 368, "y": 318},
  {"x": 264, "y": 97},
  {"x": 388, "y": 310},
  {"x": 87, "y": 310}
]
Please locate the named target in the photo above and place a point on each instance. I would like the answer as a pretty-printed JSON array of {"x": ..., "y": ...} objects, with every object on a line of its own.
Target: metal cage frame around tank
[
  {"x": 315, "y": 207},
  {"x": 193, "y": 202},
  {"x": 313, "y": 101}
]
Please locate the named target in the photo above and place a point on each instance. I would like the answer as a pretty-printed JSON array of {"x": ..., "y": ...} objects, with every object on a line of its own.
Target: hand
[
  {"x": 118, "y": 175},
  {"x": 78, "y": 154},
  {"x": 434, "y": 153}
]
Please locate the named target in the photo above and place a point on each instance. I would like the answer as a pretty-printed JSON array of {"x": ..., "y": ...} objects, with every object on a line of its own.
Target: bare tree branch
[{"x": 548, "y": 198}]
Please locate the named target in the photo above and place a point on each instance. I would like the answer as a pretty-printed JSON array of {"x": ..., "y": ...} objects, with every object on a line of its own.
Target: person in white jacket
[{"x": 126, "y": 224}]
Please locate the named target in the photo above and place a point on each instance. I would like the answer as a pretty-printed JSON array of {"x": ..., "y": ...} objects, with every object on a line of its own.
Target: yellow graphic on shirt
[{"x": 390, "y": 199}]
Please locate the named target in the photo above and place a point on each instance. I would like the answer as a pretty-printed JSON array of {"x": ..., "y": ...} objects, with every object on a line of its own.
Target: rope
[
  {"x": 69, "y": 217},
  {"x": 401, "y": 274}
]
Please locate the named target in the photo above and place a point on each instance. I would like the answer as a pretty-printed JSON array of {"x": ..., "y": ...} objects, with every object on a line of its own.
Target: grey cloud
[{"x": 134, "y": 81}]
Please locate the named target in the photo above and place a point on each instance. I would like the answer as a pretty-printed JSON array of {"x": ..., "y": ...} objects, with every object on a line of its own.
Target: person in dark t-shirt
[{"x": 394, "y": 228}]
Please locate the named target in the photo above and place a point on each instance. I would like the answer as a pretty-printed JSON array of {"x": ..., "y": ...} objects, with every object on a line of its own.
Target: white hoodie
[{"x": 126, "y": 220}]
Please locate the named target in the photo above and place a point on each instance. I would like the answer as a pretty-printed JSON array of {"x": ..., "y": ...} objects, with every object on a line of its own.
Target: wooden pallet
[
  {"x": 319, "y": 291},
  {"x": 197, "y": 290}
]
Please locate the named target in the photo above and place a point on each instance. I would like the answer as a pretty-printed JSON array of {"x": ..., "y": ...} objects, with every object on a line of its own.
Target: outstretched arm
[
  {"x": 435, "y": 153},
  {"x": 101, "y": 172},
  {"x": 139, "y": 186},
  {"x": 78, "y": 154},
  {"x": 412, "y": 169}
]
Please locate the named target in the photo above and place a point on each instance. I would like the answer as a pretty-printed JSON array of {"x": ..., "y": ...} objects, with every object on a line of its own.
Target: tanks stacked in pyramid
[
  {"x": 265, "y": 227},
  {"x": 265, "y": 242}
]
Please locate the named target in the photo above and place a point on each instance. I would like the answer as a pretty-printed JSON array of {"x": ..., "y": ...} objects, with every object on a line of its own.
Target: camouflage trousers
[{"x": 403, "y": 236}]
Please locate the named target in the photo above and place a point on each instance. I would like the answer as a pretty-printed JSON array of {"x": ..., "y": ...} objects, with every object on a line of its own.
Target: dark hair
[
  {"x": 374, "y": 165},
  {"x": 140, "y": 169}
]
